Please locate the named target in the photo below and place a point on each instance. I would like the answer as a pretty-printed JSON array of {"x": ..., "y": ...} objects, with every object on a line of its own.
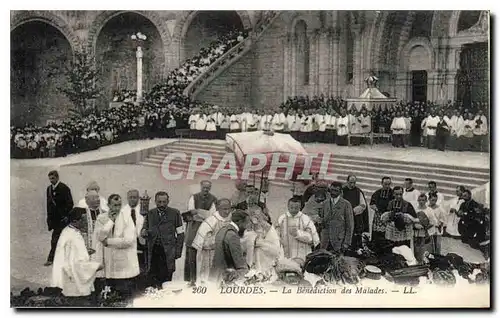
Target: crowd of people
[
  {"x": 116, "y": 244},
  {"x": 430, "y": 127},
  {"x": 153, "y": 118},
  {"x": 308, "y": 119}
]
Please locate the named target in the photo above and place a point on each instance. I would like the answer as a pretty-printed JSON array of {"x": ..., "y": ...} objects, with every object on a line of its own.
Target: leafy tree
[{"x": 81, "y": 88}]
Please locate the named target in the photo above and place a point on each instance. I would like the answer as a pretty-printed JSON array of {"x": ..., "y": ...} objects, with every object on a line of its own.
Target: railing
[
  {"x": 229, "y": 58},
  {"x": 190, "y": 89}
]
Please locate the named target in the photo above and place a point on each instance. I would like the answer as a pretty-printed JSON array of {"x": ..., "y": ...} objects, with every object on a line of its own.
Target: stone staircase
[
  {"x": 229, "y": 58},
  {"x": 369, "y": 171}
]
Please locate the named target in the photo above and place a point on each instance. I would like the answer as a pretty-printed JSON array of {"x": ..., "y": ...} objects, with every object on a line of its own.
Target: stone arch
[
  {"x": 187, "y": 17},
  {"x": 378, "y": 32},
  {"x": 405, "y": 31},
  {"x": 408, "y": 47},
  {"x": 371, "y": 37},
  {"x": 453, "y": 24},
  {"x": 184, "y": 21},
  {"x": 101, "y": 20},
  {"x": 21, "y": 17}
]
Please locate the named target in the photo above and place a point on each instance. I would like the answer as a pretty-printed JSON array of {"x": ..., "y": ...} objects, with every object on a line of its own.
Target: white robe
[
  {"x": 72, "y": 270},
  {"x": 103, "y": 205},
  {"x": 355, "y": 124},
  {"x": 139, "y": 220},
  {"x": 411, "y": 197},
  {"x": 468, "y": 128},
  {"x": 431, "y": 125},
  {"x": 307, "y": 236},
  {"x": 452, "y": 219},
  {"x": 278, "y": 122},
  {"x": 483, "y": 128},
  {"x": 366, "y": 124},
  {"x": 193, "y": 118},
  {"x": 306, "y": 124},
  {"x": 321, "y": 120},
  {"x": 243, "y": 121},
  {"x": 343, "y": 130},
  {"x": 265, "y": 122},
  {"x": 120, "y": 256},
  {"x": 234, "y": 122},
  {"x": 398, "y": 126},
  {"x": 263, "y": 257},
  {"x": 293, "y": 122},
  {"x": 211, "y": 123},
  {"x": 201, "y": 123},
  {"x": 204, "y": 243}
]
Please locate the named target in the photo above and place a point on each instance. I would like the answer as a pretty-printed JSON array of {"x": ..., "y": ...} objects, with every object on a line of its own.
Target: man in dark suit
[
  {"x": 228, "y": 254},
  {"x": 59, "y": 203},
  {"x": 337, "y": 221},
  {"x": 164, "y": 232}
]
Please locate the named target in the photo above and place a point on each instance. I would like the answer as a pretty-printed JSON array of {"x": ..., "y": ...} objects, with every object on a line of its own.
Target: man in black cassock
[
  {"x": 379, "y": 201},
  {"x": 356, "y": 198},
  {"x": 59, "y": 204}
]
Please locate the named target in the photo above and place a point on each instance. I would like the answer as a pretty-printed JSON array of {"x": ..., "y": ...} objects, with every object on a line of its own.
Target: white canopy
[{"x": 259, "y": 142}]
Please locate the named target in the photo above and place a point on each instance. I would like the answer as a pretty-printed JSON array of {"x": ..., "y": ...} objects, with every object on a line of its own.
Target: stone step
[
  {"x": 340, "y": 166},
  {"x": 373, "y": 183},
  {"x": 368, "y": 170},
  {"x": 220, "y": 146}
]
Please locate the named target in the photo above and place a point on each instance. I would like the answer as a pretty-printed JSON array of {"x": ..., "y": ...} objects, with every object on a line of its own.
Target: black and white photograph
[{"x": 250, "y": 158}]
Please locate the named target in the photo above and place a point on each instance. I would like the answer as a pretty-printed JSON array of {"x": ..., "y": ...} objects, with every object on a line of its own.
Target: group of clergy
[
  {"x": 442, "y": 130},
  {"x": 102, "y": 242}
]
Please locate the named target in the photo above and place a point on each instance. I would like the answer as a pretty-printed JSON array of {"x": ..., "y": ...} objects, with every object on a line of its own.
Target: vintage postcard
[{"x": 258, "y": 159}]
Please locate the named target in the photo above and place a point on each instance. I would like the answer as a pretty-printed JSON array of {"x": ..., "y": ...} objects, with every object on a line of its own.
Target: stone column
[
  {"x": 335, "y": 62},
  {"x": 312, "y": 38},
  {"x": 357, "y": 59},
  {"x": 452, "y": 70},
  {"x": 433, "y": 87},
  {"x": 403, "y": 86},
  {"x": 325, "y": 67},
  {"x": 287, "y": 65},
  {"x": 139, "y": 56},
  {"x": 293, "y": 66}
]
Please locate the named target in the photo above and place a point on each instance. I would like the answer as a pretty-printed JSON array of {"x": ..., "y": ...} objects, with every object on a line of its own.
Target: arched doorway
[
  {"x": 116, "y": 57},
  {"x": 206, "y": 26},
  {"x": 40, "y": 54}
]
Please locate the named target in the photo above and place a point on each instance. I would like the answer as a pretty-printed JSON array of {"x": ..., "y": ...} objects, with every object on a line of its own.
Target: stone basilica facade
[{"x": 417, "y": 55}]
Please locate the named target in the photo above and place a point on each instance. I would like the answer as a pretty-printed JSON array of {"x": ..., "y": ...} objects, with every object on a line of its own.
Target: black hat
[{"x": 76, "y": 214}]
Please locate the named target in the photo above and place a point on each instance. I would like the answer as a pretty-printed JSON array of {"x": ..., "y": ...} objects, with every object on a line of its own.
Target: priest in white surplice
[
  {"x": 115, "y": 234},
  {"x": 93, "y": 186},
  {"x": 278, "y": 121},
  {"x": 342, "y": 128},
  {"x": 480, "y": 132},
  {"x": 204, "y": 241},
  {"x": 293, "y": 124},
  {"x": 73, "y": 271},
  {"x": 297, "y": 232}
]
